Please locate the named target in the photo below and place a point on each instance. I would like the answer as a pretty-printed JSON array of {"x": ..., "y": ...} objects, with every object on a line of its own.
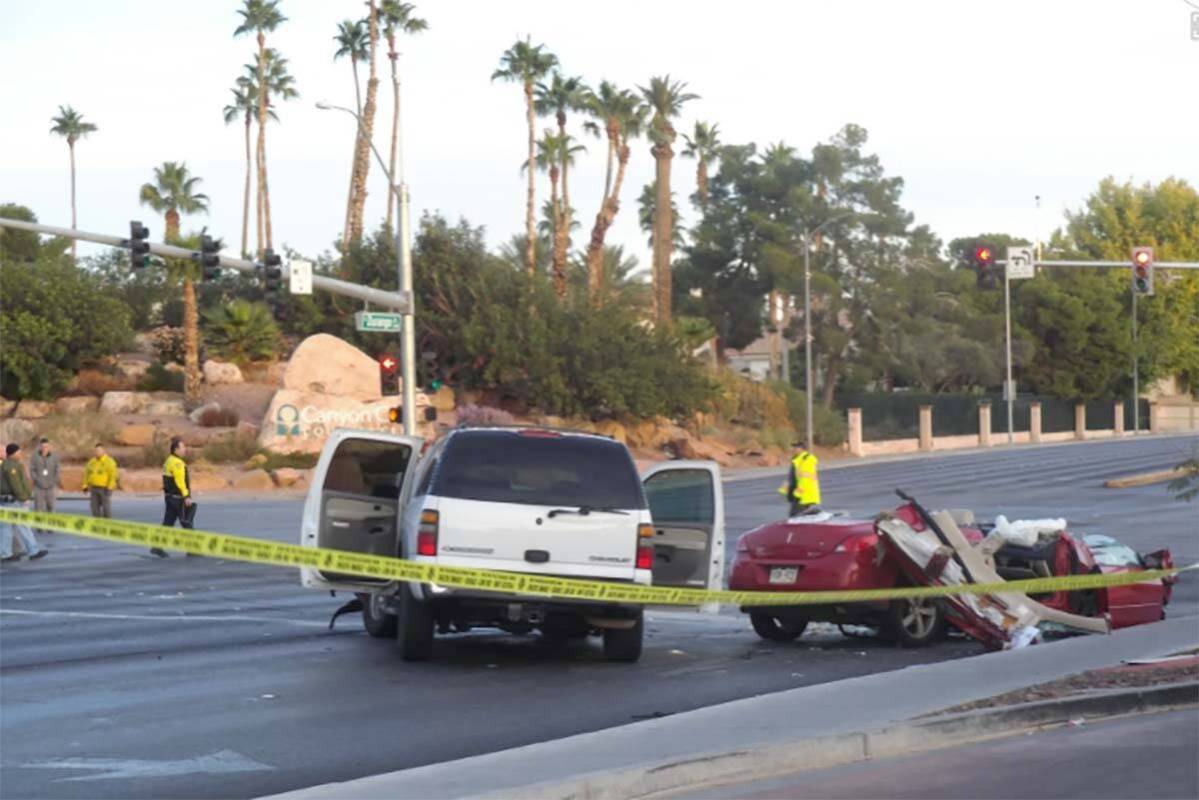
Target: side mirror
[{"x": 430, "y": 414}]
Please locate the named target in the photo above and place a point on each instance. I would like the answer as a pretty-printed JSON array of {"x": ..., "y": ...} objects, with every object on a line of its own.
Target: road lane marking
[
  {"x": 158, "y": 617},
  {"x": 222, "y": 761}
]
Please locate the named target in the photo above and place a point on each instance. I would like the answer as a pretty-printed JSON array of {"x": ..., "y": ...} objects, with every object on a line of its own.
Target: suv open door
[
  {"x": 686, "y": 502},
  {"x": 358, "y": 487}
]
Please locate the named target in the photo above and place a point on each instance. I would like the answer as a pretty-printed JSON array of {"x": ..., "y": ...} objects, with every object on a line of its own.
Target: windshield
[
  {"x": 1110, "y": 553},
  {"x": 536, "y": 469}
]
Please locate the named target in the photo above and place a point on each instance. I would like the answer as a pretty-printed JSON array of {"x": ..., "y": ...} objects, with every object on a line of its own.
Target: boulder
[
  {"x": 255, "y": 481},
  {"x": 257, "y": 461},
  {"x": 171, "y": 366},
  {"x": 133, "y": 366},
  {"x": 138, "y": 435},
  {"x": 299, "y": 422},
  {"x": 708, "y": 450},
  {"x": 248, "y": 430},
  {"x": 33, "y": 409},
  {"x": 16, "y": 430},
  {"x": 286, "y": 477},
  {"x": 196, "y": 414},
  {"x": 70, "y": 478},
  {"x": 683, "y": 447},
  {"x": 443, "y": 400},
  {"x": 7, "y": 407},
  {"x": 218, "y": 372},
  {"x": 325, "y": 364},
  {"x": 77, "y": 405},
  {"x": 139, "y": 480},
  {"x": 198, "y": 437},
  {"x": 612, "y": 428},
  {"x": 123, "y": 402},
  {"x": 165, "y": 408}
]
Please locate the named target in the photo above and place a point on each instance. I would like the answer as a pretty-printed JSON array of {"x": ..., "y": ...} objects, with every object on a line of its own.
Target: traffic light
[
  {"x": 139, "y": 248},
  {"x": 388, "y": 382},
  {"x": 395, "y": 415},
  {"x": 210, "y": 259},
  {"x": 984, "y": 266},
  {"x": 388, "y": 364},
  {"x": 1142, "y": 270},
  {"x": 272, "y": 283}
]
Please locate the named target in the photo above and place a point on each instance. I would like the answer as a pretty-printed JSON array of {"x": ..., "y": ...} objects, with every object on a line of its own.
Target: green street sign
[{"x": 378, "y": 321}]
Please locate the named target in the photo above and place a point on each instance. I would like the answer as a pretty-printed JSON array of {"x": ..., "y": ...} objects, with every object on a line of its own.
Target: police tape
[{"x": 349, "y": 565}]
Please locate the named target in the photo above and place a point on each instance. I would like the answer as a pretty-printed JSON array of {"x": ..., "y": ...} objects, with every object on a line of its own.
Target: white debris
[
  {"x": 1024, "y": 636},
  {"x": 1025, "y": 532}
]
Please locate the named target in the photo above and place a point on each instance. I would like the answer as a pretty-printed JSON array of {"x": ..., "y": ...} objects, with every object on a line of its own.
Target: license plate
[{"x": 784, "y": 574}]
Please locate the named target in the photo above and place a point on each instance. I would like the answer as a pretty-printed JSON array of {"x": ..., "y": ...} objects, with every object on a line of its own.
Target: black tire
[
  {"x": 415, "y": 626},
  {"x": 624, "y": 644},
  {"x": 375, "y": 619},
  {"x": 774, "y": 629},
  {"x": 915, "y": 622}
]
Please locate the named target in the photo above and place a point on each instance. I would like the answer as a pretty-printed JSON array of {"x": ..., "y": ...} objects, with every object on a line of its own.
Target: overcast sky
[{"x": 978, "y": 106}]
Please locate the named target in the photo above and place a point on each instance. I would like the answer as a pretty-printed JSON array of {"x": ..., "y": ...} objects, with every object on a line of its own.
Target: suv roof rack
[{"x": 530, "y": 427}]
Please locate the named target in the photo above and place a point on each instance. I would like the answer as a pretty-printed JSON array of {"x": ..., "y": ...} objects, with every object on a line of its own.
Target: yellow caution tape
[{"x": 262, "y": 551}]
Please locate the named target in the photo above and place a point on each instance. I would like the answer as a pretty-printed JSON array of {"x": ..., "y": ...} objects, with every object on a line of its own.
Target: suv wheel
[
  {"x": 415, "y": 624},
  {"x": 375, "y": 619},
  {"x": 774, "y": 629},
  {"x": 624, "y": 644},
  {"x": 915, "y": 621}
]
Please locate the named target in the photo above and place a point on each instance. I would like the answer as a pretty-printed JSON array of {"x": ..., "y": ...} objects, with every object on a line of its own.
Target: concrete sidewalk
[{"x": 580, "y": 765}]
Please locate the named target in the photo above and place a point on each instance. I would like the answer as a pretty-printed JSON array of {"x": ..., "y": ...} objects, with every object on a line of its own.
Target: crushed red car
[{"x": 827, "y": 552}]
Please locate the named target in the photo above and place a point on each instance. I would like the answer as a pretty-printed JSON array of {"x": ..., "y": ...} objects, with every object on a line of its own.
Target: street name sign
[{"x": 377, "y": 321}]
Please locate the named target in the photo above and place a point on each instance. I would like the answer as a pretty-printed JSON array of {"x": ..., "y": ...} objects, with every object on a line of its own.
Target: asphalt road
[
  {"x": 122, "y": 675},
  {"x": 1150, "y": 756}
]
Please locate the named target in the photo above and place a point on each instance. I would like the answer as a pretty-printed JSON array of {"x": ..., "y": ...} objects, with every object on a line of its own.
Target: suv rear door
[
  {"x": 686, "y": 502},
  {"x": 353, "y": 504}
]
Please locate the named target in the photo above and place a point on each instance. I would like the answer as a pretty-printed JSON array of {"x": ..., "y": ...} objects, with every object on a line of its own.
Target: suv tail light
[
  {"x": 426, "y": 534},
  {"x": 645, "y": 546}
]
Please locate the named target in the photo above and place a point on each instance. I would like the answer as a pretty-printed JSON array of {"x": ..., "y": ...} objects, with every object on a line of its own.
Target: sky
[{"x": 980, "y": 107}]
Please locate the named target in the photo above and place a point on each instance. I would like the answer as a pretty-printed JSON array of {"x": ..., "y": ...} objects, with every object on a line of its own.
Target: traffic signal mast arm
[
  {"x": 1121, "y": 264},
  {"x": 400, "y": 301}
]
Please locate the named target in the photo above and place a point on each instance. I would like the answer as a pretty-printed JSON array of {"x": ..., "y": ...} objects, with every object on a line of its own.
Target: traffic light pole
[
  {"x": 1136, "y": 373},
  {"x": 1007, "y": 323}
]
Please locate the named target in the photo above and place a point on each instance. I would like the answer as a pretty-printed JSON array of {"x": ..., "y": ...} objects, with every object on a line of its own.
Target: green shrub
[
  {"x": 230, "y": 448},
  {"x": 74, "y": 436},
  {"x": 160, "y": 379},
  {"x": 241, "y": 332},
  {"x": 830, "y": 426},
  {"x": 276, "y": 461},
  {"x": 156, "y": 452}
]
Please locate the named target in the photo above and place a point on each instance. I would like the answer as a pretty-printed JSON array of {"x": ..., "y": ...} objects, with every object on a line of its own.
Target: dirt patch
[{"x": 249, "y": 400}]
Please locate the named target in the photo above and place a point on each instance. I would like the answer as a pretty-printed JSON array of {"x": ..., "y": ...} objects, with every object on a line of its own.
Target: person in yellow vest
[
  {"x": 99, "y": 481},
  {"x": 176, "y": 491},
  {"x": 803, "y": 481}
]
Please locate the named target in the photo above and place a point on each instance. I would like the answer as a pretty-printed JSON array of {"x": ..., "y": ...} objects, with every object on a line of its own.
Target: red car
[{"x": 830, "y": 552}]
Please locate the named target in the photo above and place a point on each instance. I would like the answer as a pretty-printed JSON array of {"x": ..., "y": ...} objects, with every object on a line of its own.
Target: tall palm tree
[
  {"x": 261, "y": 17},
  {"x": 647, "y": 204},
  {"x": 665, "y": 98},
  {"x": 243, "y": 106},
  {"x": 555, "y": 154},
  {"x": 557, "y": 97},
  {"x": 397, "y": 18},
  {"x": 70, "y": 125},
  {"x": 623, "y": 118},
  {"x": 526, "y": 64},
  {"x": 703, "y": 146},
  {"x": 280, "y": 86},
  {"x": 353, "y": 41},
  {"x": 173, "y": 193},
  {"x": 362, "y": 150}
]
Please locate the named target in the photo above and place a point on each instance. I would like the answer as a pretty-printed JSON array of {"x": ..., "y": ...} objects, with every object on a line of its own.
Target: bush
[
  {"x": 750, "y": 403},
  {"x": 241, "y": 332},
  {"x": 218, "y": 418},
  {"x": 234, "y": 447},
  {"x": 830, "y": 426},
  {"x": 156, "y": 452},
  {"x": 484, "y": 415},
  {"x": 96, "y": 383},
  {"x": 276, "y": 461},
  {"x": 169, "y": 344},
  {"x": 74, "y": 436},
  {"x": 160, "y": 379}
]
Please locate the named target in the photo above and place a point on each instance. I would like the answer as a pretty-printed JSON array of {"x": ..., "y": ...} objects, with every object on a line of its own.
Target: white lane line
[
  {"x": 222, "y": 761},
  {"x": 163, "y": 617}
]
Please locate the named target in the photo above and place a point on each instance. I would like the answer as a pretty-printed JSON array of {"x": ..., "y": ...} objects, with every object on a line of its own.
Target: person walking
[
  {"x": 46, "y": 473},
  {"x": 176, "y": 490},
  {"x": 802, "y": 489},
  {"x": 15, "y": 490},
  {"x": 99, "y": 481}
]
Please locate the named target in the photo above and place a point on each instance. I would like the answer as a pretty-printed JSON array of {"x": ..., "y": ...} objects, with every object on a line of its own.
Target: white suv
[{"x": 534, "y": 500}]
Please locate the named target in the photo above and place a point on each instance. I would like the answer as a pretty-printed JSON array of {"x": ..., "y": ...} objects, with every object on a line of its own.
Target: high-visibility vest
[{"x": 805, "y": 478}]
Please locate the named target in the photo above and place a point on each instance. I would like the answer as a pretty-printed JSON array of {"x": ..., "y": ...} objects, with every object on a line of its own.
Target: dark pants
[
  {"x": 101, "y": 501},
  {"x": 176, "y": 512},
  {"x": 798, "y": 508}
]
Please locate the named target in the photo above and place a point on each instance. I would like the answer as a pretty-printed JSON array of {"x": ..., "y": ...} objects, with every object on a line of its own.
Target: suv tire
[
  {"x": 774, "y": 629},
  {"x": 375, "y": 619},
  {"x": 415, "y": 625},
  {"x": 624, "y": 644}
]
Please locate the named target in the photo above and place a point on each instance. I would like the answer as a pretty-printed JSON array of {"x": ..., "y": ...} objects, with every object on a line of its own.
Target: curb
[
  {"x": 1143, "y": 479},
  {"x": 703, "y": 772}
]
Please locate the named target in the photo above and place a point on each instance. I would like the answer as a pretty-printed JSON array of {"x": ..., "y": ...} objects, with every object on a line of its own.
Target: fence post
[
  {"x": 855, "y": 431},
  {"x": 1155, "y": 418},
  {"x": 1034, "y": 421},
  {"x": 926, "y": 427},
  {"x": 984, "y": 424},
  {"x": 1080, "y": 420},
  {"x": 1119, "y": 424}
]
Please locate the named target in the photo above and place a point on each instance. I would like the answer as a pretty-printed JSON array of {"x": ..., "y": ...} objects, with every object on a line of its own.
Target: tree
[
  {"x": 261, "y": 17},
  {"x": 172, "y": 193},
  {"x": 703, "y": 146},
  {"x": 526, "y": 64},
  {"x": 622, "y": 118},
  {"x": 245, "y": 101},
  {"x": 70, "y": 125},
  {"x": 622, "y": 283},
  {"x": 665, "y": 98},
  {"x": 397, "y": 18},
  {"x": 362, "y": 151},
  {"x": 353, "y": 42},
  {"x": 556, "y": 154},
  {"x": 559, "y": 96},
  {"x": 242, "y": 332},
  {"x": 647, "y": 216}
]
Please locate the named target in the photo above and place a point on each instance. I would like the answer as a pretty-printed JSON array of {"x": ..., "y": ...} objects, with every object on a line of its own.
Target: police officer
[
  {"x": 176, "y": 490},
  {"x": 803, "y": 481}
]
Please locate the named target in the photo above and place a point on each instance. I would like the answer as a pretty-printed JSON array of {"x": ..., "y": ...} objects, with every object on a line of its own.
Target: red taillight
[
  {"x": 645, "y": 546},
  {"x": 426, "y": 534}
]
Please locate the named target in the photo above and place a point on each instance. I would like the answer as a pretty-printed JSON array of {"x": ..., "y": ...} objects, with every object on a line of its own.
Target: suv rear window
[{"x": 511, "y": 467}]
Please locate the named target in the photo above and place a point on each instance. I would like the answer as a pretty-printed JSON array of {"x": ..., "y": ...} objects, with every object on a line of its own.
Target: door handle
[
  {"x": 377, "y": 529},
  {"x": 339, "y": 524}
]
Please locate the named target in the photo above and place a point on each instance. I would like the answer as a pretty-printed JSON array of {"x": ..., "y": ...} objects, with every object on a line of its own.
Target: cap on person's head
[
  {"x": 99, "y": 444},
  {"x": 11, "y": 448}
]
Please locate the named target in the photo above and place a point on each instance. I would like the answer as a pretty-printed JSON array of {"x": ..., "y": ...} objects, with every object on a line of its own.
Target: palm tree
[
  {"x": 70, "y": 125},
  {"x": 352, "y": 41},
  {"x": 558, "y": 97},
  {"x": 555, "y": 154},
  {"x": 623, "y": 118},
  {"x": 280, "y": 85},
  {"x": 647, "y": 204},
  {"x": 665, "y": 99},
  {"x": 245, "y": 101},
  {"x": 172, "y": 193},
  {"x": 526, "y": 64},
  {"x": 261, "y": 17},
  {"x": 622, "y": 283},
  {"x": 362, "y": 151},
  {"x": 397, "y": 17},
  {"x": 703, "y": 148}
]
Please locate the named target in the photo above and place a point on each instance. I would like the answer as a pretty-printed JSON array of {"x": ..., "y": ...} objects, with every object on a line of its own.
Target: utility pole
[
  {"x": 1008, "y": 392},
  {"x": 1136, "y": 372}
]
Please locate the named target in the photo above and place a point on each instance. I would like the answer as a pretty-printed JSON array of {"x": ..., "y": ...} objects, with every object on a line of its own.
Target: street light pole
[
  {"x": 807, "y": 323},
  {"x": 403, "y": 277}
]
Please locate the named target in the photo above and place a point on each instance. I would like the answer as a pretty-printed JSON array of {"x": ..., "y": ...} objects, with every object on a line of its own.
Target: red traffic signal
[
  {"x": 984, "y": 254},
  {"x": 1142, "y": 270},
  {"x": 388, "y": 363}
]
